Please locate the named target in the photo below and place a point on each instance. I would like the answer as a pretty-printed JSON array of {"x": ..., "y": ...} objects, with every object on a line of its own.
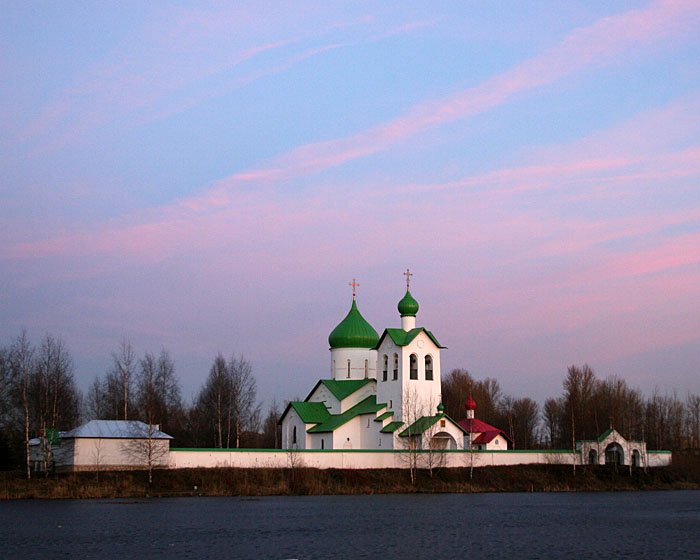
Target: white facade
[{"x": 353, "y": 363}]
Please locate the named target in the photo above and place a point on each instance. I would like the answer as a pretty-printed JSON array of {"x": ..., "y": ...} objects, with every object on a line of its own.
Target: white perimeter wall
[{"x": 339, "y": 459}]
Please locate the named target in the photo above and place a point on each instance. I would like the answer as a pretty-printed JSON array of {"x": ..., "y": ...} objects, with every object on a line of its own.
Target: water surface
[{"x": 626, "y": 524}]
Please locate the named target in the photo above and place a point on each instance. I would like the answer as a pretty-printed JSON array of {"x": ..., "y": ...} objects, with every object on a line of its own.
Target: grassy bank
[{"x": 685, "y": 474}]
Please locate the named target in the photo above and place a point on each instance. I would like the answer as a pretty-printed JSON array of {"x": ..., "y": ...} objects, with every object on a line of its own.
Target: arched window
[
  {"x": 592, "y": 457},
  {"x": 322, "y": 444},
  {"x": 414, "y": 366},
  {"x": 428, "y": 368},
  {"x": 294, "y": 436},
  {"x": 396, "y": 367},
  {"x": 385, "y": 367},
  {"x": 366, "y": 365},
  {"x": 348, "y": 369}
]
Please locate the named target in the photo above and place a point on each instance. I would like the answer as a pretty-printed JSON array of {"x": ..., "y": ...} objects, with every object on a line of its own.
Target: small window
[
  {"x": 294, "y": 435},
  {"x": 442, "y": 423},
  {"x": 396, "y": 367},
  {"x": 366, "y": 366},
  {"x": 390, "y": 404},
  {"x": 380, "y": 442},
  {"x": 414, "y": 366},
  {"x": 495, "y": 441},
  {"x": 428, "y": 368},
  {"x": 348, "y": 369},
  {"x": 385, "y": 367},
  {"x": 368, "y": 422}
]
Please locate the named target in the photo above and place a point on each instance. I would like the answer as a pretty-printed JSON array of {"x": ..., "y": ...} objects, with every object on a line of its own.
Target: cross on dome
[
  {"x": 408, "y": 275},
  {"x": 354, "y": 285}
]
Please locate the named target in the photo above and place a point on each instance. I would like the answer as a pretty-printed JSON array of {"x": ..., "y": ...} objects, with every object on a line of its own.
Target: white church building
[{"x": 384, "y": 392}]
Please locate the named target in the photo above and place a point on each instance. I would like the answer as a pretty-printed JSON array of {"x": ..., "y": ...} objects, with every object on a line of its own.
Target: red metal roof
[
  {"x": 487, "y": 437},
  {"x": 474, "y": 425},
  {"x": 486, "y": 432}
]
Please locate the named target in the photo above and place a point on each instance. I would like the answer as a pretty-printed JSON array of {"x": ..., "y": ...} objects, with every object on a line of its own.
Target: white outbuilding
[{"x": 104, "y": 445}]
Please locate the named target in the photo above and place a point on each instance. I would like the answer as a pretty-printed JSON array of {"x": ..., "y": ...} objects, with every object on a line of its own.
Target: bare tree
[
  {"x": 243, "y": 391},
  {"x": 271, "y": 429},
  {"x": 552, "y": 415},
  {"x": 22, "y": 363},
  {"x": 146, "y": 447},
  {"x": 123, "y": 370}
]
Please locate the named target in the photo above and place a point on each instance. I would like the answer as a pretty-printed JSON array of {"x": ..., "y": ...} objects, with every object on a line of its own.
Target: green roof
[
  {"x": 310, "y": 412},
  {"x": 425, "y": 422},
  {"x": 605, "y": 434},
  {"x": 353, "y": 331},
  {"x": 391, "y": 427},
  {"x": 367, "y": 406},
  {"x": 404, "y": 338},
  {"x": 342, "y": 389},
  {"x": 383, "y": 417},
  {"x": 408, "y": 307},
  {"x": 420, "y": 425}
]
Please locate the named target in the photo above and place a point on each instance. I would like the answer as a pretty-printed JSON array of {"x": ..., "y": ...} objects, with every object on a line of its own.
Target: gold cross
[
  {"x": 354, "y": 285},
  {"x": 408, "y": 275}
]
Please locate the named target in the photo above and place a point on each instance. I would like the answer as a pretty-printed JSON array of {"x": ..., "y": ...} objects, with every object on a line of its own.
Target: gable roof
[
  {"x": 366, "y": 406},
  {"x": 404, "y": 338},
  {"x": 115, "y": 429},
  {"x": 341, "y": 389},
  {"x": 391, "y": 427},
  {"x": 486, "y": 432},
  {"x": 475, "y": 426},
  {"x": 309, "y": 412},
  {"x": 425, "y": 422},
  {"x": 488, "y": 436}
]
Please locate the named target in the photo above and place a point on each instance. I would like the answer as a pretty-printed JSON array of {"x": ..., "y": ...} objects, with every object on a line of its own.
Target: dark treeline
[
  {"x": 38, "y": 396},
  {"x": 586, "y": 408}
]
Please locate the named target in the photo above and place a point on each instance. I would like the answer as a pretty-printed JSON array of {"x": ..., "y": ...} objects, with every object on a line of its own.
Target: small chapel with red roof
[{"x": 481, "y": 435}]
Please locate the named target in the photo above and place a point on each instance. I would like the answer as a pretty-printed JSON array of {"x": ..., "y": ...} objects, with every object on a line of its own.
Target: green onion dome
[
  {"x": 353, "y": 332},
  {"x": 408, "y": 307}
]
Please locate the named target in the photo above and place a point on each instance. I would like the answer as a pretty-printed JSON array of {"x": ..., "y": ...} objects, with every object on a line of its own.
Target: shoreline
[{"x": 308, "y": 481}]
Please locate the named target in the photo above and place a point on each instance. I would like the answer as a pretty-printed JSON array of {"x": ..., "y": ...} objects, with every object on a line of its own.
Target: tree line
[
  {"x": 38, "y": 396},
  {"x": 586, "y": 408}
]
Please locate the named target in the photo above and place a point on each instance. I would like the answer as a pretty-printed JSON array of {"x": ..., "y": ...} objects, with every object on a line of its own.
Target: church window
[
  {"x": 333, "y": 372},
  {"x": 294, "y": 435},
  {"x": 323, "y": 443},
  {"x": 442, "y": 423},
  {"x": 385, "y": 367},
  {"x": 414, "y": 366},
  {"x": 348, "y": 369},
  {"x": 396, "y": 367},
  {"x": 366, "y": 365},
  {"x": 390, "y": 404},
  {"x": 368, "y": 422},
  {"x": 428, "y": 368}
]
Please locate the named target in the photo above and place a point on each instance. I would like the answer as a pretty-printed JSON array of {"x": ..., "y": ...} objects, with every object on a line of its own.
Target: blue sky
[{"x": 208, "y": 177}]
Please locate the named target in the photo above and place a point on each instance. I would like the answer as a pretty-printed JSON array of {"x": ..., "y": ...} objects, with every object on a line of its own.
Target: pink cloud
[{"x": 599, "y": 43}]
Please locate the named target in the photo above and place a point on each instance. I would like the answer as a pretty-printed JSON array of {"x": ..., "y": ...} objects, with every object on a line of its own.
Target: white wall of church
[
  {"x": 358, "y": 396},
  {"x": 322, "y": 394},
  {"x": 362, "y": 361},
  {"x": 290, "y": 422},
  {"x": 422, "y": 395}
]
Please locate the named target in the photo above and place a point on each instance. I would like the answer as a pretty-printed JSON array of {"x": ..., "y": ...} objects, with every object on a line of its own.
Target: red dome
[{"x": 470, "y": 404}]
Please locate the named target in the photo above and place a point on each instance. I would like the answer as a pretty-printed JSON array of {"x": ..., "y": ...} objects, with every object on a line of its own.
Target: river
[{"x": 539, "y": 525}]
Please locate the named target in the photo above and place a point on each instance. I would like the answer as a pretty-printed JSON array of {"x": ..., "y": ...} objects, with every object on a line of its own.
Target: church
[{"x": 384, "y": 392}]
